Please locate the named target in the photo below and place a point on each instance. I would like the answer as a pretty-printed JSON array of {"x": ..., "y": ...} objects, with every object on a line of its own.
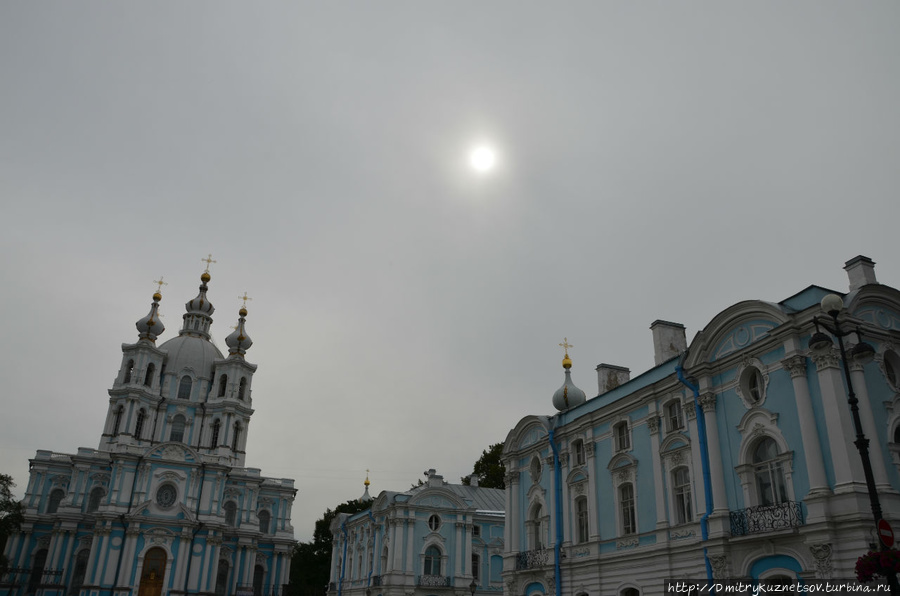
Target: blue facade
[
  {"x": 432, "y": 538},
  {"x": 616, "y": 484}
]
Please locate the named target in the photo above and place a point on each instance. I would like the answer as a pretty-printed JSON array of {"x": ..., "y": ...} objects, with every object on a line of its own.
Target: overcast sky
[{"x": 655, "y": 160}]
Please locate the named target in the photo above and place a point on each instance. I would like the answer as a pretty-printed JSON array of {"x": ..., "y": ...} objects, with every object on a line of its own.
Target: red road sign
[{"x": 885, "y": 533}]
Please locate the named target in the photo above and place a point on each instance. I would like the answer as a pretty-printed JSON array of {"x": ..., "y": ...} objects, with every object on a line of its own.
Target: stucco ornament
[{"x": 822, "y": 555}]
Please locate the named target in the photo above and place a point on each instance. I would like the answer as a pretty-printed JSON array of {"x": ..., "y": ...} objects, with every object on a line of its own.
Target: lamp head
[
  {"x": 819, "y": 342},
  {"x": 832, "y": 304},
  {"x": 472, "y": 587},
  {"x": 862, "y": 352}
]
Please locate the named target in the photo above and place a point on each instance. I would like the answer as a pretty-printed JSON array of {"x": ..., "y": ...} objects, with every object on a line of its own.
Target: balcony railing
[
  {"x": 766, "y": 518},
  {"x": 532, "y": 559},
  {"x": 433, "y": 581}
]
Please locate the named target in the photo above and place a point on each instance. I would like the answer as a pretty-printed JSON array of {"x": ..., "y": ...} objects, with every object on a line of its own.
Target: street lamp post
[
  {"x": 472, "y": 587},
  {"x": 832, "y": 304}
]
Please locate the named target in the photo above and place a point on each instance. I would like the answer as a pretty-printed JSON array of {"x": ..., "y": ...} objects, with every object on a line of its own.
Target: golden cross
[
  {"x": 208, "y": 260},
  {"x": 566, "y": 345},
  {"x": 160, "y": 283},
  {"x": 245, "y": 298}
]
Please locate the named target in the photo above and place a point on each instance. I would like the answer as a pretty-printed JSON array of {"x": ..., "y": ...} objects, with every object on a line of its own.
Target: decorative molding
[
  {"x": 795, "y": 365},
  {"x": 579, "y": 487},
  {"x": 627, "y": 543},
  {"x": 719, "y": 565},
  {"x": 708, "y": 402},
  {"x": 653, "y": 424},
  {"x": 589, "y": 448},
  {"x": 680, "y": 534},
  {"x": 822, "y": 554},
  {"x": 826, "y": 359}
]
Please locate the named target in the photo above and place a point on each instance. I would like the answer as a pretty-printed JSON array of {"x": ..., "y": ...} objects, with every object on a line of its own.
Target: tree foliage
[
  {"x": 312, "y": 560},
  {"x": 489, "y": 469},
  {"x": 11, "y": 515}
]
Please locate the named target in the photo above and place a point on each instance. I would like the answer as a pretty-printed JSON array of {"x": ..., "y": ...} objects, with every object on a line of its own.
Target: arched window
[
  {"x": 81, "y": 560},
  {"x": 118, "y": 421},
  {"x": 897, "y": 434},
  {"x": 626, "y": 507},
  {"x": 214, "y": 440},
  {"x": 476, "y": 567},
  {"x": 95, "y": 498},
  {"x": 259, "y": 575},
  {"x": 623, "y": 437},
  {"x": 236, "y": 437},
  {"x": 265, "y": 521},
  {"x": 242, "y": 388},
  {"x": 177, "y": 432},
  {"x": 230, "y": 514},
  {"x": 384, "y": 560},
  {"x": 536, "y": 528},
  {"x": 578, "y": 449},
  {"x": 581, "y": 514},
  {"x": 535, "y": 469},
  {"x": 432, "y": 561},
  {"x": 148, "y": 378},
  {"x": 129, "y": 368},
  {"x": 184, "y": 387},
  {"x": 891, "y": 364},
  {"x": 222, "y": 577},
  {"x": 630, "y": 592},
  {"x": 223, "y": 382},
  {"x": 770, "y": 486},
  {"x": 139, "y": 425},
  {"x": 674, "y": 416},
  {"x": 56, "y": 497},
  {"x": 37, "y": 570},
  {"x": 371, "y": 560},
  {"x": 681, "y": 488}
]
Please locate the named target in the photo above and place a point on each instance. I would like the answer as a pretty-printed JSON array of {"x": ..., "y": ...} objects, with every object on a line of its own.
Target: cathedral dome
[
  {"x": 568, "y": 396},
  {"x": 189, "y": 351}
]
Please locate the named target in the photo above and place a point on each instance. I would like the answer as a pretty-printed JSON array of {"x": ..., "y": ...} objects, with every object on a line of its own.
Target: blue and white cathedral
[{"x": 164, "y": 505}]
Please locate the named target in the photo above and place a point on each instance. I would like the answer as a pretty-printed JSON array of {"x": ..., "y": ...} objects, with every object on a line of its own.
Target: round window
[
  {"x": 535, "y": 470},
  {"x": 753, "y": 386},
  {"x": 166, "y": 495},
  {"x": 434, "y": 522}
]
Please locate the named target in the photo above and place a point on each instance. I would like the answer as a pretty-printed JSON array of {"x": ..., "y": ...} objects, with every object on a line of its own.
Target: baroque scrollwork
[{"x": 822, "y": 555}]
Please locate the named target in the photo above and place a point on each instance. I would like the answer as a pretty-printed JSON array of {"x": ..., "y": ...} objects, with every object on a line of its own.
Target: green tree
[
  {"x": 489, "y": 469},
  {"x": 10, "y": 516},
  {"x": 312, "y": 560}
]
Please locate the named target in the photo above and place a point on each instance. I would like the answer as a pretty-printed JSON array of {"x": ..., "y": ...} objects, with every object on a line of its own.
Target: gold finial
[
  {"x": 565, "y": 345},
  {"x": 245, "y": 298},
  {"x": 159, "y": 284},
  {"x": 367, "y": 478},
  {"x": 209, "y": 261}
]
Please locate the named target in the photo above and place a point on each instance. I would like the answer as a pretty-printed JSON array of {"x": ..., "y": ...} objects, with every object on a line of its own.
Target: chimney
[
  {"x": 473, "y": 480},
  {"x": 669, "y": 340},
  {"x": 861, "y": 271},
  {"x": 609, "y": 377},
  {"x": 434, "y": 479}
]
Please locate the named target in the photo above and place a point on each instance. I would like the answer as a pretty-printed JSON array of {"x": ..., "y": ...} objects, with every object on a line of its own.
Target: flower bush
[{"x": 877, "y": 562}]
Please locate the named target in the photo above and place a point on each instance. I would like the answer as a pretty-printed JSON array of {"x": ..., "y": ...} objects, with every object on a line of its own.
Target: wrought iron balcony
[
  {"x": 766, "y": 518},
  {"x": 433, "y": 581},
  {"x": 376, "y": 581},
  {"x": 532, "y": 559}
]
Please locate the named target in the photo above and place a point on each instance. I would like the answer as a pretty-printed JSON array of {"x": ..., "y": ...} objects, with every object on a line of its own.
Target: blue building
[
  {"x": 164, "y": 505},
  {"x": 435, "y": 538},
  {"x": 608, "y": 495}
]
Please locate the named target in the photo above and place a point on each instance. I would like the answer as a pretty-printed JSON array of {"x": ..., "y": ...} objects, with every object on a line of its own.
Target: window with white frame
[
  {"x": 681, "y": 489},
  {"x": 139, "y": 425},
  {"x": 578, "y": 450},
  {"x": 184, "y": 387},
  {"x": 432, "y": 561},
  {"x": 56, "y": 497},
  {"x": 622, "y": 436},
  {"x": 674, "y": 416},
  {"x": 230, "y": 513},
  {"x": 535, "y": 469},
  {"x": 177, "y": 432},
  {"x": 891, "y": 365},
  {"x": 434, "y": 522},
  {"x": 265, "y": 521},
  {"x": 581, "y": 518},
  {"x": 626, "y": 509},
  {"x": 476, "y": 567},
  {"x": 94, "y": 499},
  {"x": 768, "y": 473},
  {"x": 223, "y": 383},
  {"x": 536, "y": 528}
]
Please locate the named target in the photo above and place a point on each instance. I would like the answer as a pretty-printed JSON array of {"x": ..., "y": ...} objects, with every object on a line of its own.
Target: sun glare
[{"x": 482, "y": 159}]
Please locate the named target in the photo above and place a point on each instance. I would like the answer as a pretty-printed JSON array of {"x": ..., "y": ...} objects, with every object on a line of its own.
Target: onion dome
[
  {"x": 568, "y": 396},
  {"x": 151, "y": 327},
  {"x": 197, "y": 319},
  {"x": 365, "y": 496},
  {"x": 239, "y": 342}
]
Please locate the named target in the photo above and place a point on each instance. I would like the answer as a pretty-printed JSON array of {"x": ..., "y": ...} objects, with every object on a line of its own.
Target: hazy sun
[{"x": 482, "y": 158}]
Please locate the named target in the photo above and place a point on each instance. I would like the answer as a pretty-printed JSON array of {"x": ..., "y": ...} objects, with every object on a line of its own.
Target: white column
[
  {"x": 867, "y": 418},
  {"x": 67, "y": 557},
  {"x": 834, "y": 403},
  {"x": 397, "y": 544},
  {"x": 815, "y": 463},
  {"x": 708, "y": 403},
  {"x": 467, "y": 551},
  {"x": 512, "y": 513},
  {"x": 410, "y": 544},
  {"x": 459, "y": 538},
  {"x": 593, "y": 512},
  {"x": 658, "y": 485},
  {"x": 23, "y": 553},
  {"x": 690, "y": 415}
]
